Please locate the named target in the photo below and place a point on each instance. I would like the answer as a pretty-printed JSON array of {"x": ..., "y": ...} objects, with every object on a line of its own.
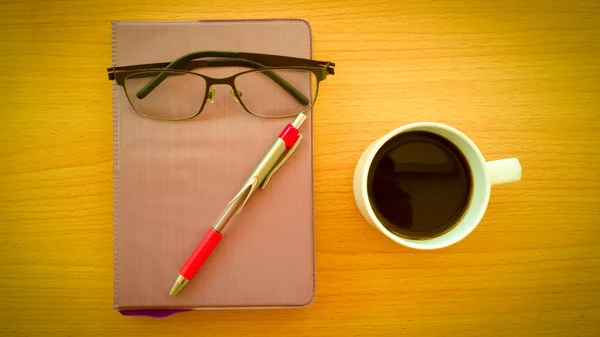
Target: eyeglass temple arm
[
  {"x": 290, "y": 89},
  {"x": 183, "y": 63}
]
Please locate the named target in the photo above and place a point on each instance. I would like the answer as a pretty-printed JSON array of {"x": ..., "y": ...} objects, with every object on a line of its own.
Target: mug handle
[{"x": 503, "y": 171}]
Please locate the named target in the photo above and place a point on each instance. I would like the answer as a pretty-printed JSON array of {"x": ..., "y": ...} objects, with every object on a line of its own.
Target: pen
[{"x": 278, "y": 154}]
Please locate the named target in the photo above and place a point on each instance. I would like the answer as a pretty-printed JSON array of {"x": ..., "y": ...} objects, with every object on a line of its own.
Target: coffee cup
[{"x": 426, "y": 185}]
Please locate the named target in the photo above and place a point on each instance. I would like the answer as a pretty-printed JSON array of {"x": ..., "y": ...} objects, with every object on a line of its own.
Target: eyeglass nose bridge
[
  {"x": 212, "y": 93},
  {"x": 236, "y": 94}
]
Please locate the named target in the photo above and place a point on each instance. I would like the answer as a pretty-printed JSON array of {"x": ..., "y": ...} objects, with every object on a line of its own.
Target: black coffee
[{"x": 419, "y": 185}]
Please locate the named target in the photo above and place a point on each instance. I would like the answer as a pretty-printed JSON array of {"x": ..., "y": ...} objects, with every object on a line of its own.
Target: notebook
[{"x": 172, "y": 179}]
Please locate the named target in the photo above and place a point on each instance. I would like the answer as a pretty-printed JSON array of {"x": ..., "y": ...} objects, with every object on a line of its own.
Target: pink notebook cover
[{"x": 173, "y": 179}]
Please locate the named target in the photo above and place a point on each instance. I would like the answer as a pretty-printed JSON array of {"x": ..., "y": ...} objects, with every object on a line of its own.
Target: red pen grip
[{"x": 200, "y": 254}]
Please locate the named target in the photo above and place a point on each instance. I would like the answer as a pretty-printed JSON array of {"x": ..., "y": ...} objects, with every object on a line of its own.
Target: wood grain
[{"x": 520, "y": 78}]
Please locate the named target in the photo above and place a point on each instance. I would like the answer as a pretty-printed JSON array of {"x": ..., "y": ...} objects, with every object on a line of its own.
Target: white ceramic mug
[{"x": 484, "y": 175}]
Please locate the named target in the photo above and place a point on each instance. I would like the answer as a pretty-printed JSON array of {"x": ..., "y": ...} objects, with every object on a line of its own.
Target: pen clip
[{"x": 281, "y": 162}]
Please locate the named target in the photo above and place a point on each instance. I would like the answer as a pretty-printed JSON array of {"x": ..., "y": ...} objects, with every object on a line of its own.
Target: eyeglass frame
[{"x": 188, "y": 62}]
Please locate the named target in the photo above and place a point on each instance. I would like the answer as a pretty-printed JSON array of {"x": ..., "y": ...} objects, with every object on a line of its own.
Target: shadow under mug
[{"x": 484, "y": 175}]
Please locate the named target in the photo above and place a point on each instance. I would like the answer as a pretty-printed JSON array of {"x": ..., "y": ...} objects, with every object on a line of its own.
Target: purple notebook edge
[{"x": 155, "y": 313}]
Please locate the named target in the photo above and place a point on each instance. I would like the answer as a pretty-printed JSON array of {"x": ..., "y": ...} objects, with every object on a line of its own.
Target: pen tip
[{"x": 179, "y": 284}]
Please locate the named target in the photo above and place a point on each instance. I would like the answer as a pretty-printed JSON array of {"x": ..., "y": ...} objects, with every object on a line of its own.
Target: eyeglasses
[{"x": 172, "y": 91}]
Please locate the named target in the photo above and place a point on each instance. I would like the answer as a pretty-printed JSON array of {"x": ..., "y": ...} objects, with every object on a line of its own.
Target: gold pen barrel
[
  {"x": 256, "y": 178},
  {"x": 251, "y": 185},
  {"x": 299, "y": 120}
]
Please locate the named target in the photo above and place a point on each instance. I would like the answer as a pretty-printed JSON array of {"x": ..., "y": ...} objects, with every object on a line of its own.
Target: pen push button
[
  {"x": 281, "y": 162},
  {"x": 289, "y": 135}
]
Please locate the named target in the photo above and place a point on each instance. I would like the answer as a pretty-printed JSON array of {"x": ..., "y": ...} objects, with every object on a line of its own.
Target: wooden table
[{"x": 521, "y": 78}]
